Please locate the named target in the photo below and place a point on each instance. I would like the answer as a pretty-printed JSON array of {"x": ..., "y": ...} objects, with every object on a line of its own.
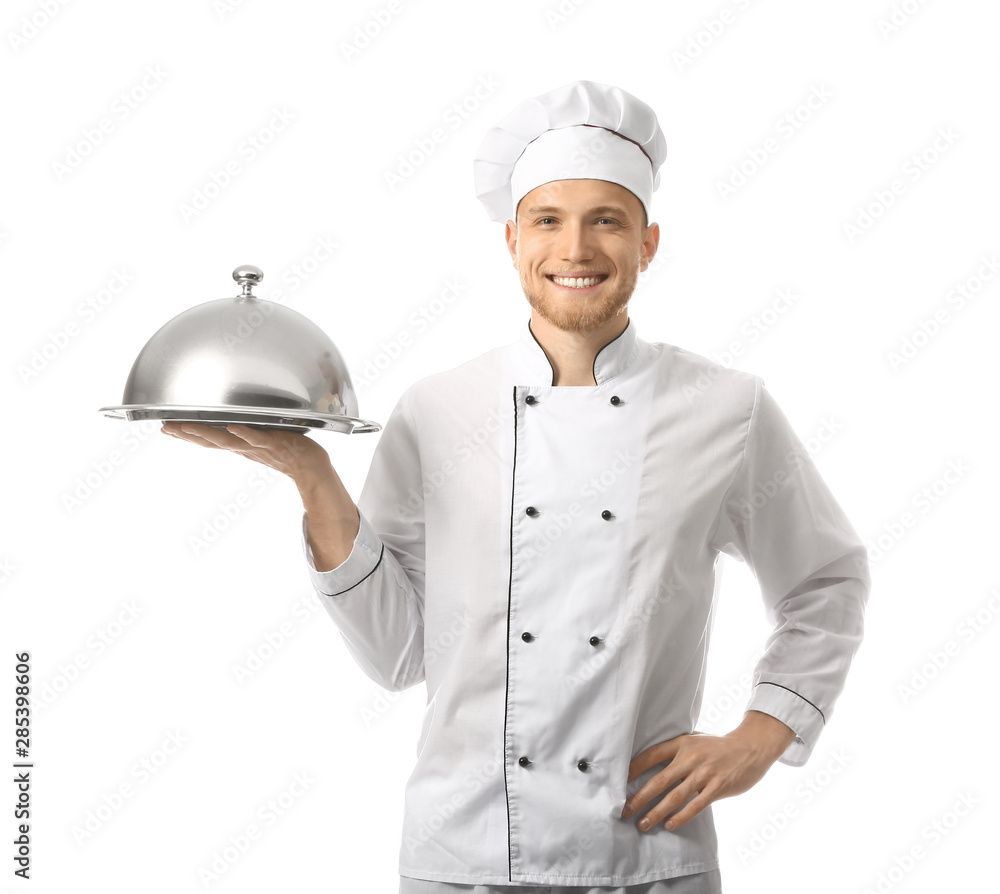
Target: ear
[
  {"x": 650, "y": 244},
  {"x": 510, "y": 234}
]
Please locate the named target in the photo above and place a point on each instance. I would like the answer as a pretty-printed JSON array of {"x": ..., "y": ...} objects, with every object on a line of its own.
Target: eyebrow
[{"x": 600, "y": 209}]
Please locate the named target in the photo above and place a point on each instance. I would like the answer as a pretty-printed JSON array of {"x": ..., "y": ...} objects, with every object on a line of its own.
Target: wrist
[
  {"x": 765, "y": 734},
  {"x": 317, "y": 477}
]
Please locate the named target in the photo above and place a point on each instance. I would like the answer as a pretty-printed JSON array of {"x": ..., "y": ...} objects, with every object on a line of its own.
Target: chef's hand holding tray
[{"x": 252, "y": 376}]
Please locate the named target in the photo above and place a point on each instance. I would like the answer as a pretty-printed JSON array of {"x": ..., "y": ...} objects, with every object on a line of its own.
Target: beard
[{"x": 581, "y": 314}]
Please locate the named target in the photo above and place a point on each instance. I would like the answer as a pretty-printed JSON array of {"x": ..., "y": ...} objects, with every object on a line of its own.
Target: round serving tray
[{"x": 255, "y": 417}]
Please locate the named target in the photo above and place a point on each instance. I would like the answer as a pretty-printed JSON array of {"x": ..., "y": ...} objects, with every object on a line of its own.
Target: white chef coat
[{"x": 545, "y": 559}]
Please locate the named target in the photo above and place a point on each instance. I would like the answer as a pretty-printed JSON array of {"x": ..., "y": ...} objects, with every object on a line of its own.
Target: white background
[{"x": 100, "y": 514}]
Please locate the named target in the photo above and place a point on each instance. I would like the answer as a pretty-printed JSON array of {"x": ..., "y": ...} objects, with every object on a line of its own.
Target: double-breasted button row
[
  {"x": 531, "y": 400},
  {"x": 582, "y": 765}
]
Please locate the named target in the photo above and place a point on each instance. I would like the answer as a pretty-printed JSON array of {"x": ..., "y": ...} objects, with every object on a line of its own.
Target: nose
[{"x": 575, "y": 242}]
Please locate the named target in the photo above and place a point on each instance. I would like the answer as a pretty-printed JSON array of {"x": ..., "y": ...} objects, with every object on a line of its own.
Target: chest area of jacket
[{"x": 568, "y": 451}]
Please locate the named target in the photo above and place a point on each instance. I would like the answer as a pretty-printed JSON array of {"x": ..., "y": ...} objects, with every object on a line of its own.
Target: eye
[
  {"x": 544, "y": 219},
  {"x": 608, "y": 219}
]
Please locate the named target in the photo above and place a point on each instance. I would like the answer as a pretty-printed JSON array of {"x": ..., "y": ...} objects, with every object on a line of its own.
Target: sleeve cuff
[
  {"x": 365, "y": 555},
  {"x": 800, "y": 715}
]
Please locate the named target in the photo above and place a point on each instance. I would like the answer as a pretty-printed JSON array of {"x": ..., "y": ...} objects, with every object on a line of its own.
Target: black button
[
  {"x": 594, "y": 640},
  {"x": 606, "y": 514},
  {"x": 582, "y": 765},
  {"x": 531, "y": 510},
  {"x": 530, "y": 399},
  {"x": 615, "y": 399},
  {"x": 523, "y": 761},
  {"x": 527, "y": 637}
]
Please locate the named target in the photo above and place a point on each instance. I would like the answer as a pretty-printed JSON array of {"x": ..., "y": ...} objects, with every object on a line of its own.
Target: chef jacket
[{"x": 545, "y": 558}]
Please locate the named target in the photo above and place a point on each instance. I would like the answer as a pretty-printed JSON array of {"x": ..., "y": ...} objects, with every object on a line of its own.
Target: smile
[{"x": 577, "y": 282}]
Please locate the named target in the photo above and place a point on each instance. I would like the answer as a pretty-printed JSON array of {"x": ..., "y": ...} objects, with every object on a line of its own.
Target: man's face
[{"x": 586, "y": 228}]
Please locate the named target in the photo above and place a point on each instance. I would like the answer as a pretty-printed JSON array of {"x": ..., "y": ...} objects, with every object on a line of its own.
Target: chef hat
[{"x": 583, "y": 130}]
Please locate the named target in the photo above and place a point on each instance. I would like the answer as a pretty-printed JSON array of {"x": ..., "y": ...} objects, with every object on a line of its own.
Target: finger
[
  {"x": 187, "y": 436},
  {"x": 672, "y": 802},
  {"x": 655, "y": 754},
  {"x": 253, "y": 436},
  {"x": 687, "y": 813},
  {"x": 282, "y": 445},
  {"x": 217, "y": 436},
  {"x": 664, "y": 781}
]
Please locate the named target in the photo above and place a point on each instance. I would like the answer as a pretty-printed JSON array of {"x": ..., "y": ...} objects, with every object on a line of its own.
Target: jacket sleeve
[
  {"x": 779, "y": 517},
  {"x": 376, "y": 595}
]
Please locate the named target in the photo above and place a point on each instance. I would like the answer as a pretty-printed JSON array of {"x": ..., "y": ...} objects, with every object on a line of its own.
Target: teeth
[{"x": 576, "y": 282}]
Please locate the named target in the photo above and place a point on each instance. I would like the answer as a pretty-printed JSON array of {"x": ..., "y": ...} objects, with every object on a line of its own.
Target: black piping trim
[
  {"x": 793, "y": 692},
  {"x": 510, "y": 581},
  {"x": 552, "y": 378},
  {"x": 598, "y": 354},
  {"x": 628, "y": 322},
  {"x": 369, "y": 574}
]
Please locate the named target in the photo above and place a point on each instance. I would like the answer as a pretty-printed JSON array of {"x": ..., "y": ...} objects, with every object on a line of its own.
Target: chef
[{"x": 539, "y": 539}]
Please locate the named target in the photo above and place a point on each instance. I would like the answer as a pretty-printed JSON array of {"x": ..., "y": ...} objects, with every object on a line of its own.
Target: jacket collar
[{"x": 611, "y": 360}]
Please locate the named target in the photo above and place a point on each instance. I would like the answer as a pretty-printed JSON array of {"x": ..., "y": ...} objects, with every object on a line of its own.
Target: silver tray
[{"x": 254, "y": 417}]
